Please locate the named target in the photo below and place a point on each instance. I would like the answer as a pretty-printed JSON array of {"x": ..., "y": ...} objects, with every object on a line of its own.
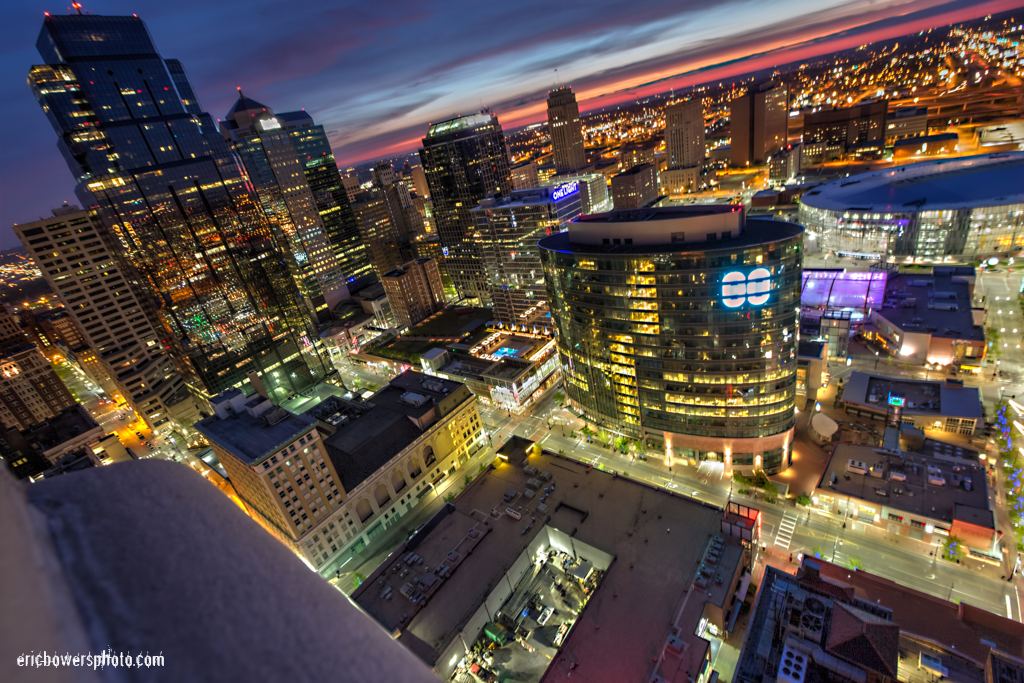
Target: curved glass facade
[
  {"x": 696, "y": 340},
  {"x": 968, "y": 206}
]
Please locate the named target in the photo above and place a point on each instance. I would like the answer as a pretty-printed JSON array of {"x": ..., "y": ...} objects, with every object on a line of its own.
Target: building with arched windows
[
  {"x": 329, "y": 481},
  {"x": 679, "y": 325},
  {"x": 968, "y": 206}
]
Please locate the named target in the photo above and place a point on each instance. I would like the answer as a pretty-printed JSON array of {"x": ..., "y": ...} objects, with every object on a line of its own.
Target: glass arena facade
[
  {"x": 969, "y": 206},
  {"x": 680, "y": 324}
]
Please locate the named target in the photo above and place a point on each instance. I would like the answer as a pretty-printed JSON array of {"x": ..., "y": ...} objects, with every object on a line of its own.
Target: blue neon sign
[
  {"x": 738, "y": 289},
  {"x": 444, "y": 250},
  {"x": 563, "y": 191}
]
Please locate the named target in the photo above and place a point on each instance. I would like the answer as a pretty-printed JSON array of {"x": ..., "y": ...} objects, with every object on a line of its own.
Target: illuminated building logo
[
  {"x": 444, "y": 250},
  {"x": 563, "y": 191},
  {"x": 269, "y": 124},
  {"x": 738, "y": 289}
]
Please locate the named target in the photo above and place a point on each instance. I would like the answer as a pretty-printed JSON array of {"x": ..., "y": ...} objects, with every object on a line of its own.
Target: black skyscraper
[
  {"x": 465, "y": 159},
  {"x": 176, "y": 202}
]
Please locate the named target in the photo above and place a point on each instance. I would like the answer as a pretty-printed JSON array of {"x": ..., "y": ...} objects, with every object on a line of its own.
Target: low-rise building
[
  {"x": 907, "y": 122},
  {"x": 414, "y": 290},
  {"x": 811, "y": 368},
  {"x": 829, "y": 623},
  {"x": 943, "y": 144},
  {"x": 635, "y": 188},
  {"x": 374, "y": 301},
  {"x": 930, "y": 319},
  {"x": 945, "y": 405},
  {"x": 786, "y": 164},
  {"x": 525, "y": 176},
  {"x": 831, "y": 134},
  {"x": 587, "y": 570},
  {"x": 349, "y": 335},
  {"x": 32, "y": 451},
  {"x": 508, "y": 370},
  {"x": 934, "y": 492},
  {"x": 328, "y": 481},
  {"x": 633, "y": 155},
  {"x": 593, "y": 188},
  {"x": 678, "y": 181},
  {"x": 30, "y": 390}
]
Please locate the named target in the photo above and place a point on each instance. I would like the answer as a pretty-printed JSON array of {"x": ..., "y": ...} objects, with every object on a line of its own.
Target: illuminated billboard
[
  {"x": 563, "y": 191},
  {"x": 738, "y": 289}
]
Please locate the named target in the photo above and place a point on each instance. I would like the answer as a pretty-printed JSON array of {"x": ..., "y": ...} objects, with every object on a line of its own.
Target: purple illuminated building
[{"x": 857, "y": 292}]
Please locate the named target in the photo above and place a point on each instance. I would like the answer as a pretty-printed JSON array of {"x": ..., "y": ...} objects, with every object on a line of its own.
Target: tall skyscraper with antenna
[
  {"x": 566, "y": 131},
  {"x": 177, "y": 208}
]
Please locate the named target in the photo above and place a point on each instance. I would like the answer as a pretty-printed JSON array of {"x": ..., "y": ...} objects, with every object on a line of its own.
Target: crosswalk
[{"x": 784, "y": 536}]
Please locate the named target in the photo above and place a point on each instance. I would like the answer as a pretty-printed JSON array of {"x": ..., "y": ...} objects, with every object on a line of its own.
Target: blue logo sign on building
[
  {"x": 563, "y": 191},
  {"x": 738, "y": 289}
]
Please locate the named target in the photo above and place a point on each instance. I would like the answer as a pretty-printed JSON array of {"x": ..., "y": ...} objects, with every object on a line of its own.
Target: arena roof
[{"x": 963, "y": 183}]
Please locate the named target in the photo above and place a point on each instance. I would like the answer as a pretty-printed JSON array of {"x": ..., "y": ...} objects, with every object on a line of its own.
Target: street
[
  {"x": 902, "y": 560},
  {"x": 786, "y": 529}
]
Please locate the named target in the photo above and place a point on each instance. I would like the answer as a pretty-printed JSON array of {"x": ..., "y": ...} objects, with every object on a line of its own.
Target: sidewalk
[{"x": 383, "y": 545}]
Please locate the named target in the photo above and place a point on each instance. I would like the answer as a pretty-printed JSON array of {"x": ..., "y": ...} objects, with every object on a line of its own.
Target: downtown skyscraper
[
  {"x": 684, "y": 146},
  {"x": 284, "y": 155},
  {"x": 758, "y": 121},
  {"x": 465, "y": 159},
  {"x": 177, "y": 208},
  {"x": 566, "y": 131},
  {"x": 684, "y": 133}
]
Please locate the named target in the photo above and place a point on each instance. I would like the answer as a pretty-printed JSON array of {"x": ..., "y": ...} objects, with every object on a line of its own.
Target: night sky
[{"x": 375, "y": 73}]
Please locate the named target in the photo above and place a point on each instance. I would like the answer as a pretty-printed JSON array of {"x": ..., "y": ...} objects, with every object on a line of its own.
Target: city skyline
[{"x": 367, "y": 117}]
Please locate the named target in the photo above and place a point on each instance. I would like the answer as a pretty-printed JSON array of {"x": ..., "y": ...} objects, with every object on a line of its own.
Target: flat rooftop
[
  {"x": 251, "y": 439},
  {"x": 962, "y": 183},
  {"x": 364, "y": 445},
  {"x": 962, "y": 627},
  {"x": 639, "y": 168},
  {"x": 923, "y": 397},
  {"x": 385, "y": 425},
  {"x": 656, "y": 539},
  {"x": 459, "y": 124},
  {"x": 939, "y": 304},
  {"x": 916, "y": 494},
  {"x": 755, "y": 231},
  {"x": 810, "y": 349},
  {"x": 660, "y": 213},
  {"x": 63, "y": 427}
]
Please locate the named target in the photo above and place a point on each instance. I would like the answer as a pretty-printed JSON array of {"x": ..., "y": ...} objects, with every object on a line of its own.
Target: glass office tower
[
  {"x": 276, "y": 150},
  {"x": 176, "y": 203},
  {"x": 509, "y": 228},
  {"x": 324, "y": 182},
  {"x": 680, "y": 324},
  {"x": 465, "y": 160}
]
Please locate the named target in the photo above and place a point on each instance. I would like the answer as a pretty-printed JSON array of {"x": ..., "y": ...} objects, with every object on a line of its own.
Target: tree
[
  {"x": 621, "y": 442},
  {"x": 853, "y": 562},
  {"x": 604, "y": 437},
  {"x": 535, "y": 449},
  {"x": 952, "y": 549},
  {"x": 742, "y": 480},
  {"x": 804, "y": 499},
  {"x": 559, "y": 397}
]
